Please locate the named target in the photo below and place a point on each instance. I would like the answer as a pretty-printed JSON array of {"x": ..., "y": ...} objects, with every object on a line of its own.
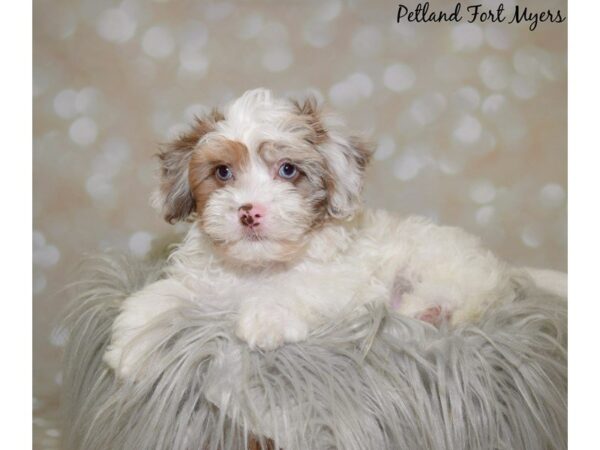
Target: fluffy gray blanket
[{"x": 379, "y": 381}]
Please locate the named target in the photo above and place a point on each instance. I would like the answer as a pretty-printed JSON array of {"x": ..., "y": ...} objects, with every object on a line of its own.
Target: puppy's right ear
[{"x": 174, "y": 196}]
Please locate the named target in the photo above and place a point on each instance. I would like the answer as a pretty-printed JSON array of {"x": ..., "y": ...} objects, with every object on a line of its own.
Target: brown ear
[
  {"x": 310, "y": 111},
  {"x": 347, "y": 159},
  {"x": 346, "y": 156},
  {"x": 174, "y": 196}
]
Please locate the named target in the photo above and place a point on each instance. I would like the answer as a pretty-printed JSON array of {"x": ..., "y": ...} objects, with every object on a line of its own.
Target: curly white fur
[{"x": 316, "y": 254}]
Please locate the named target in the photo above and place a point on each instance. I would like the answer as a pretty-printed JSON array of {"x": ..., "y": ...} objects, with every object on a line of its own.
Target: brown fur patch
[
  {"x": 311, "y": 183},
  {"x": 306, "y": 157},
  {"x": 178, "y": 202},
  {"x": 254, "y": 443},
  {"x": 206, "y": 159},
  {"x": 363, "y": 151},
  {"x": 310, "y": 112},
  {"x": 357, "y": 152}
]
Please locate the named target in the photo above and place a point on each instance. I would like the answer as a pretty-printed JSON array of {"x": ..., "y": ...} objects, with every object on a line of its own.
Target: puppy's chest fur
[
  {"x": 411, "y": 264},
  {"x": 335, "y": 275},
  {"x": 420, "y": 269}
]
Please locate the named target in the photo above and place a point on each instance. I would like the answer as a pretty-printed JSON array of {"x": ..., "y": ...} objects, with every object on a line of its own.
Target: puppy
[{"x": 272, "y": 188}]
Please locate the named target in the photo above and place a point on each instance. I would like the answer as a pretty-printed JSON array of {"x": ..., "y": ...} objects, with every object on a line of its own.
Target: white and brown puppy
[{"x": 273, "y": 189}]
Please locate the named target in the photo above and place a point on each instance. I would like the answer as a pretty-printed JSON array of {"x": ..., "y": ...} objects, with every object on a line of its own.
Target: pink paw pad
[{"x": 434, "y": 315}]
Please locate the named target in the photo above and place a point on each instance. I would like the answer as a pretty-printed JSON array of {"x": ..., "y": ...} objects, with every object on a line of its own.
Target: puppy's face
[
  {"x": 258, "y": 203},
  {"x": 262, "y": 177}
]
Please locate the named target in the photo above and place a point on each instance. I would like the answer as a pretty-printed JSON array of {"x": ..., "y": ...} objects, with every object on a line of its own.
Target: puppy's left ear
[{"x": 347, "y": 157}]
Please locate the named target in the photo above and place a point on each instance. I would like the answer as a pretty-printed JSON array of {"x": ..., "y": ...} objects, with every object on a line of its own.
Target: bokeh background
[{"x": 469, "y": 121}]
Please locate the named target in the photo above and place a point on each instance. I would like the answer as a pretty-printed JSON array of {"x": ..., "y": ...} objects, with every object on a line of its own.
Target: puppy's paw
[
  {"x": 435, "y": 315},
  {"x": 419, "y": 308},
  {"x": 269, "y": 328}
]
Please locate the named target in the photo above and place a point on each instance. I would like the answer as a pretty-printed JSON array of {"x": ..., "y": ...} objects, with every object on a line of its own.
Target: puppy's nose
[{"x": 251, "y": 214}]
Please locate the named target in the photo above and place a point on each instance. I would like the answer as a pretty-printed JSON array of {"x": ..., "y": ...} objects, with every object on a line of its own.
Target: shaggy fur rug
[{"x": 377, "y": 381}]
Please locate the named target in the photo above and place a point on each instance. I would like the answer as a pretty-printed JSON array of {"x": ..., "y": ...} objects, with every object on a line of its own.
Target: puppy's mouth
[
  {"x": 251, "y": 237},
  {"x": 254, "y": 235}
]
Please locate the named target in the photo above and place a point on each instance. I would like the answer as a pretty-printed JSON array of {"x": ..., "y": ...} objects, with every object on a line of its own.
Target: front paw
[{"x": 269, "y": 328}]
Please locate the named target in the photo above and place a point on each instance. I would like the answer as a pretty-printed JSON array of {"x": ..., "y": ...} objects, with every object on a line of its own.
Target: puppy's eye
[
  {"x": 288, "y": 171},
  {"x": 223, "y": 173}
]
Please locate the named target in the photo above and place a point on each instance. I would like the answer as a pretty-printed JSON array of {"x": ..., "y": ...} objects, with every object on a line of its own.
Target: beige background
[{"x": 469, "y": 122}]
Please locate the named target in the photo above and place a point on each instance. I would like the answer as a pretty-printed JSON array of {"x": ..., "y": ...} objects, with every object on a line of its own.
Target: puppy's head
[{"x": 261, "y": 176}]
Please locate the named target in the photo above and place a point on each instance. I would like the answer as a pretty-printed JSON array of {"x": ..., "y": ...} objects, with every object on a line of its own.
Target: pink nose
[{"x": 251, "y": 214}]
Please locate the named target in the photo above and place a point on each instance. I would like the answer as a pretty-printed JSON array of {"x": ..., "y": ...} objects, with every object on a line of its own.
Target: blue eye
[
  {"x": 288, "y": 171},
  {"x": 223, "y": 173}
]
